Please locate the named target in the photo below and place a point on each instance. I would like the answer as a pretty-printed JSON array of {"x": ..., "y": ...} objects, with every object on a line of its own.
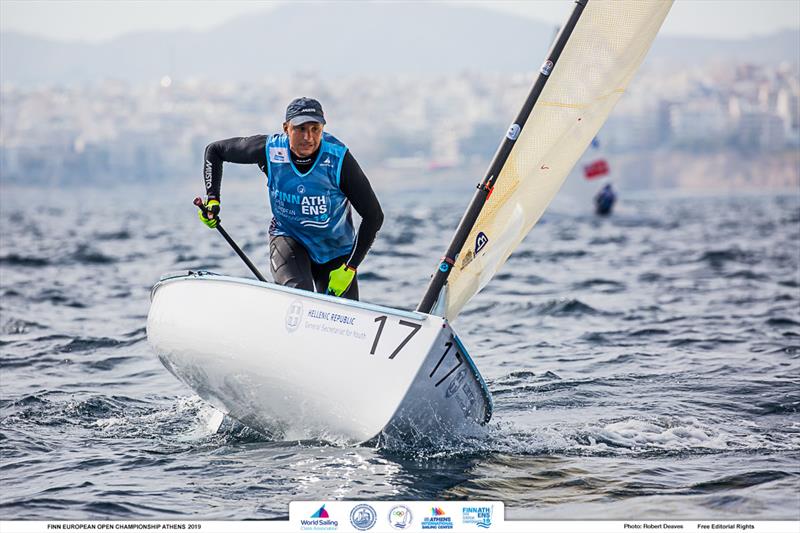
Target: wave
[
  {"x": 649, "y": 277},
  {"x": 397, "y": 239},
  {"x": 86, "y": 344},
  {"x": 567, "y": 307},
  {"x": 56, "y": 296},
  {"x": 520, "y": 309},
  {"x": 648, "y": 332},
  {"x": 85, "y": 254},
  {"x": 371, "y": 276},
  {"x": 16, "y": 260},
  {"x": 672, "y": 434},
  {"x": 600, "y": 285},
  {"x": 524, "y": 280},
  {"x": 561, "y": 255},
  {"x": 121, "y": 235},
  {"x": 18, "y": 326},
  {"x": 739, "y": 481},
  {"x": 782, "y": 322},
  {"x": 615, "y": 239},
  {"x": 719, "y": 258},
  {"x": 747, "y": 274}
]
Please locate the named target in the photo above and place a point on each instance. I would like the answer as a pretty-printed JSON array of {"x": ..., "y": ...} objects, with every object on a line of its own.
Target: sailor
[
  {"x": 313, "y": 180},
  {"x": 604, "y": 200}
]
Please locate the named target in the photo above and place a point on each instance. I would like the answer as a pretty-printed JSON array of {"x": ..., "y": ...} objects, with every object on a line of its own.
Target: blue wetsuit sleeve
[
  {"x": 356, "y": 187},
  {"x": 242, "y": 150}
]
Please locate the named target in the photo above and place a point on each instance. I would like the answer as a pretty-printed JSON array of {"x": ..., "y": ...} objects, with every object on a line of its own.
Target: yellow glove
[
  {"x": 340, "y": 279},
  {"x": 209, "y": 214}
]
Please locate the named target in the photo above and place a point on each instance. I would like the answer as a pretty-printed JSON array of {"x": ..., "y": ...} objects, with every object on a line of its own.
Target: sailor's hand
[
  {"x": 340, "y": 279},
  {"x": 209, "y": 213}
]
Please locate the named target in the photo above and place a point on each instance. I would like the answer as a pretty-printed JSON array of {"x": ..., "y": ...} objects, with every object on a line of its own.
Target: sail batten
[{"x": 604, "y": 50}]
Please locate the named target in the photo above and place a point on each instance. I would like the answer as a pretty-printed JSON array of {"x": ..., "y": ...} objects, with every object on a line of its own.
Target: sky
[{"x": 99, "y": 20}]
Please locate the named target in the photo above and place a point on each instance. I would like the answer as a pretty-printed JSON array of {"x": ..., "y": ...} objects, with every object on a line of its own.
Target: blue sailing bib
[{"x": 310, "y": 207}]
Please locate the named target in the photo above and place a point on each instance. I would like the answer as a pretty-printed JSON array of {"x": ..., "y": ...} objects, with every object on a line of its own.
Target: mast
[{"x": 500, "y": 157}]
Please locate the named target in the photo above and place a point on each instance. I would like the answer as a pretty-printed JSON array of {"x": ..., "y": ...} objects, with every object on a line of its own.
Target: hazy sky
[{"x": 100, "y": 20}]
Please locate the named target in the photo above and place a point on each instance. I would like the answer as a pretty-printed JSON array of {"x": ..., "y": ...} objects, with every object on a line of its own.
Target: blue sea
[{"x": 645, "y": 365}]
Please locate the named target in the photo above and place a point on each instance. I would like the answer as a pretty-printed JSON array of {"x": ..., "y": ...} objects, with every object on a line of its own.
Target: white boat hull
[{"x": 299, "y": 365}]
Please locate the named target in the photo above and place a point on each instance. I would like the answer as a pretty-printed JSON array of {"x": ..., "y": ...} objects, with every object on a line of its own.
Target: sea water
[{"x": 642, "y": 365}]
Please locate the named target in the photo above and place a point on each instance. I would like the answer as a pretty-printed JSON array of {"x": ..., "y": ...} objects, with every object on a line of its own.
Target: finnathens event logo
[{"x": 478, "y": 516}]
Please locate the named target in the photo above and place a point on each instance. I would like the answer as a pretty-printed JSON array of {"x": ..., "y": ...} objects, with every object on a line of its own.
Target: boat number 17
[
  {"x": 382, "y": 321},
  {"x": 439, "y": 364}
]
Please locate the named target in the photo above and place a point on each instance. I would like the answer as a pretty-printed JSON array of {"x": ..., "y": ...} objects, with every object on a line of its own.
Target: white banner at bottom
[
  {"x": 388, "y": 517},
  {"x": 409, "y": 516}
]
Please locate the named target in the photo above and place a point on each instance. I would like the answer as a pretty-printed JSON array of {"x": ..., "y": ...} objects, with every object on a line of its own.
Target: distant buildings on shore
[{"x": 115, "y": 132}]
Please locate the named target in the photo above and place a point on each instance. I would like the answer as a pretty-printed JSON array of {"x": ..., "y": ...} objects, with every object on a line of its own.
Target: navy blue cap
[{"x": 304, "y": 109}]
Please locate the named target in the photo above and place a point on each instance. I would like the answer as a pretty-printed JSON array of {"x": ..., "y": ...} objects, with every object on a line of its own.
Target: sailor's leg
[
  {"x": 322, "y": 276},
  {"x": 289, "y": 263}
]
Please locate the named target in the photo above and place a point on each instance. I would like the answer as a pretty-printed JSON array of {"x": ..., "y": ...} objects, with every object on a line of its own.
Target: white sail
[{"x": 598, "y": 62}]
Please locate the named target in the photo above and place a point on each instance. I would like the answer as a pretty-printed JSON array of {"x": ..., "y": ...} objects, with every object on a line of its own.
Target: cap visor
[{"x": 302, "y": 119}]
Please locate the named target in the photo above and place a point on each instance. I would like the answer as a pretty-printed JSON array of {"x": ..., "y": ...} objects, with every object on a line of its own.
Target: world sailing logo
[
  {"x": 321, "y": 513},
  {"x": 319, "y": 521}
]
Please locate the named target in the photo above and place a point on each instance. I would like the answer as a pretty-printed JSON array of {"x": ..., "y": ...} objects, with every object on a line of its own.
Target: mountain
[
  {"x": 770, "y": 49},
  {"x": 339, "y": 39}
]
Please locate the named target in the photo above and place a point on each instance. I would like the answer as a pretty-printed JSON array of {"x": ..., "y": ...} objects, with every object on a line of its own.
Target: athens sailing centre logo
[{"x": 437, "y": 520}]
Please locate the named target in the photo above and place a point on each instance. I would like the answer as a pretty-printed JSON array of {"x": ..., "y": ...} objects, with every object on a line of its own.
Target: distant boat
[{"x": 598, "y": 172}]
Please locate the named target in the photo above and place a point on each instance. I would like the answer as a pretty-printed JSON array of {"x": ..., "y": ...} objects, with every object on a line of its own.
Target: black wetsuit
[{"x": 289, "y": 260}]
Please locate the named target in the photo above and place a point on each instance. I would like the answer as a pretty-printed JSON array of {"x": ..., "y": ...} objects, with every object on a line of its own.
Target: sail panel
[{"x": 603, "y": 53}]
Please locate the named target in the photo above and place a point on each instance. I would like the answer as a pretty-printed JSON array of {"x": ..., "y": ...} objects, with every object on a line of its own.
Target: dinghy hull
[{"x": 299, "y": 365}]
